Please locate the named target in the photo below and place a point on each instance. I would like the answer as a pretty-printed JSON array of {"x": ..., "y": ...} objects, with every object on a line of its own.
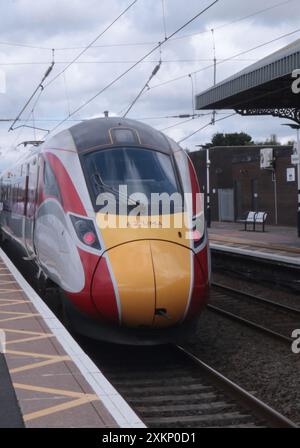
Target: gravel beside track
[{"x": 258, "y": 363}]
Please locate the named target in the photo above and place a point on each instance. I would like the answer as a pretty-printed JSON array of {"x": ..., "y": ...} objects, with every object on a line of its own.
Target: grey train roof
[
  {"x": 100, "y": 132},
  {"x": 254, "y": 85}
]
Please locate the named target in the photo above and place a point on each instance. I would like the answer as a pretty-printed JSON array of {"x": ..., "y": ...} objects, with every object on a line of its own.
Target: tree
[
  {"x": 291, "y": 143},
  {"x": 273, "y": 140},
  {"x": 234, "y": 139}
]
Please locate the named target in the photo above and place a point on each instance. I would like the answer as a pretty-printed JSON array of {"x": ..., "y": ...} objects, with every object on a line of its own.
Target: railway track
[
  {"x": 267, "y": 316},
  {"x": 168, "y": 387}
]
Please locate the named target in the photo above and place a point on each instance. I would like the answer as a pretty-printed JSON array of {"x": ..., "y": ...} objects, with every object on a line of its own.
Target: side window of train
[{"x": 50, "y": 183}]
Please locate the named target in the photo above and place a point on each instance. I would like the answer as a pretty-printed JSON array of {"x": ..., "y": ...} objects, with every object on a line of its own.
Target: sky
[{"x": 30, "y": 29}]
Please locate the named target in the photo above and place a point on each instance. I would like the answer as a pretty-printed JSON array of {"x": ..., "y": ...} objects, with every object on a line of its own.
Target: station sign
[
  {"x": 266, "y": 158},
  {"x": 290, "y": 174}
]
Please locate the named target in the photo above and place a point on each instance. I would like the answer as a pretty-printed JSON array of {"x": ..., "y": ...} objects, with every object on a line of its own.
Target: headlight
[
  {"x": 86, "y": 232},
  {"x": 198, "y": 229}
]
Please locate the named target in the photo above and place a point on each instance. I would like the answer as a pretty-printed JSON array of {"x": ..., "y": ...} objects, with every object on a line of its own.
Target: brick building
[{"x": 238, "y": 184}]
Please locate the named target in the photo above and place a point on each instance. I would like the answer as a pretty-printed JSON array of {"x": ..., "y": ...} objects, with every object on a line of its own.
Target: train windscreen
[{"x": 141, "y": 171}]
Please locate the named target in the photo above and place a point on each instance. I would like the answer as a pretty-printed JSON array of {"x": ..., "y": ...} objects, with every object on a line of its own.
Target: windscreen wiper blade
[{"x": 102, "y": 185}]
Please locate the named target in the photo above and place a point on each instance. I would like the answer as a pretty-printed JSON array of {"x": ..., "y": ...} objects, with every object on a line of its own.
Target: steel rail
[
  {"x": 258, "y": 407},
  {"x": 256, "y": 298}
]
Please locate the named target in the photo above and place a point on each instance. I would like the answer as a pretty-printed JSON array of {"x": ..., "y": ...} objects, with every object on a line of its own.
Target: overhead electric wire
[
  {"x": 241, "y": 19},
  {"x": 235, "y": 107},
  {"x": 166, "y": 117},
  {"x": 129, "y": 44},
  {"x": 27, "y": 119},
  {"x": 91, "y": 43},
  {"x": 177, "y": 124},
  {"x": 164, "y": 17},
  {"x": 154, "y": 72},
  {"x": 195, "y": 132},
  {"x": 39, "y": 87},
  {"x": 221, "y": 26},
  {"x": 137, "y": 63},
  {"x": 205, "y": 126},
  {"x": 150, "y": 61},
  {"x": 193, "y": 94},
  {"x": 190, "y": 118},
  {"x": 32, "y": 127},
  {"x": 178, "y": 78}
]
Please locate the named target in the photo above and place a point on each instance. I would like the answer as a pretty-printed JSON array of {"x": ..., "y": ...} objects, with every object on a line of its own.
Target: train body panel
[{"x": 139, "y": 276}]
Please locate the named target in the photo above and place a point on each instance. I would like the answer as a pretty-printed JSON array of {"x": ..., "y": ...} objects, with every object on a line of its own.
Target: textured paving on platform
[{"x": 50, "y": 389}]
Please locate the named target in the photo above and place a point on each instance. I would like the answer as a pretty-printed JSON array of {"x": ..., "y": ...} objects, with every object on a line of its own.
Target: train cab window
[
  {"x": 124, "y": 136},
  {"x": 51, "y": 187},
  {"x": 141, "y": 170}
]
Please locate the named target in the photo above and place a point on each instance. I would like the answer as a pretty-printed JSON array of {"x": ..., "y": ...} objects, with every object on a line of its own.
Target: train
[{"x": 79, "y": 208}]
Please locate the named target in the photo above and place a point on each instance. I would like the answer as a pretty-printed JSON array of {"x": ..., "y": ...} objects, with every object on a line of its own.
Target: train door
[
  {"x": 32, "y": 171},
  {"x": 17, "y": 212},
  {"x": 6, "y": 201}
]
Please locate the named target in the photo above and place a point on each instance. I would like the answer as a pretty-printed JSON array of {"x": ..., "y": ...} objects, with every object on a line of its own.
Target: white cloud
[{"x": 66, "y": 23}]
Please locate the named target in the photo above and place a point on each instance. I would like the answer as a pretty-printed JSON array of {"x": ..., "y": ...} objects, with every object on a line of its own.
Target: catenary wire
[
  {"x": 131, "y": 44},
  {"x": 137, "y": 63},
  {"x": 224, "y": 60}
]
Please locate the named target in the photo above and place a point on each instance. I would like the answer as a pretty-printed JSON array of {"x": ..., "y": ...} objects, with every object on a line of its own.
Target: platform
[
  {"x": 46, "y": 378},
  {"x": 277, "y": 244}
]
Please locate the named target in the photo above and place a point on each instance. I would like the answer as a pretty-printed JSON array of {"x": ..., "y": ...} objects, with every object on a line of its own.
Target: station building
[
  {"x": 270, "y": 87},
  {"x": 239, "y": 182}
]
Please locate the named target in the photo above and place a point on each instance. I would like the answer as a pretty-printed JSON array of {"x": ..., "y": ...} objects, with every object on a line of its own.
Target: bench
[
  {"x": 254, "y": 218},
  {"x": 260, "y": 218}
]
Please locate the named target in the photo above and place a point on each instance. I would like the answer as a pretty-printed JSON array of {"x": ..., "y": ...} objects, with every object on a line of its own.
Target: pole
[
  {"x": 298, "y": 180},
  {"x": 208, "y": 189},
  {"x": 275, "y": 197},
  {"x": 215, "y": 72}
]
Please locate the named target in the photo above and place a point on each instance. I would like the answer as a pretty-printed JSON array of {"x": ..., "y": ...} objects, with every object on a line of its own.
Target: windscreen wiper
[{"x": 100, "y": 184}]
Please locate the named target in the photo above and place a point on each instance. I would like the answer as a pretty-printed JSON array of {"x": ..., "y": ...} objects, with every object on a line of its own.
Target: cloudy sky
[{"x": 30, "y": 29}]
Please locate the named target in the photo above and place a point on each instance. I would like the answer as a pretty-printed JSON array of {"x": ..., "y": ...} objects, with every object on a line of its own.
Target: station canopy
[{"x": 264, "y": 88}]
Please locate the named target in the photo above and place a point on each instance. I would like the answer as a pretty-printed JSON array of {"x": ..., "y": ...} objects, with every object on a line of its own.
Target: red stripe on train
[{"x": 71, "y": 199}]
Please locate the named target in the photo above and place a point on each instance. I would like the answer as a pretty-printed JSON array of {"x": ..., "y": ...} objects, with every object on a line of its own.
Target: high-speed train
[{"x": 122, "y": 274}]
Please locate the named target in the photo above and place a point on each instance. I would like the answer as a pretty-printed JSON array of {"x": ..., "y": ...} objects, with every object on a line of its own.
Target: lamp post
[
  {"x": 297, "y": 162},
  {"x": 208, "y": 209}
]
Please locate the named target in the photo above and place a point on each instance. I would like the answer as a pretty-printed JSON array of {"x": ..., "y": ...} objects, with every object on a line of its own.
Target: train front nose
[{"x": 153, "y": 282}]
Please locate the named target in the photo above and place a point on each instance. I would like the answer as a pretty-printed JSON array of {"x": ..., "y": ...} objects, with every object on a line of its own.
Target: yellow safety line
[
  {"x": 6, "y": 291},
  {"x": 34, "y": 355},
  {"x": 17, "y": 312},
  {"x": 18, "y": 317},
  {"x": 7, "y": 282},
  {"x": 53, "y": 391},
  {"x": 16, "y": 302},
  {"x": 36, "y": 365},
  {"x": 32, "y": 338},
  {"x": 58, "y": 408},
  {"x": 2, "y": 291},
  {"x": 80, "y": 398},
  {"x": 9, "y": 330}
]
